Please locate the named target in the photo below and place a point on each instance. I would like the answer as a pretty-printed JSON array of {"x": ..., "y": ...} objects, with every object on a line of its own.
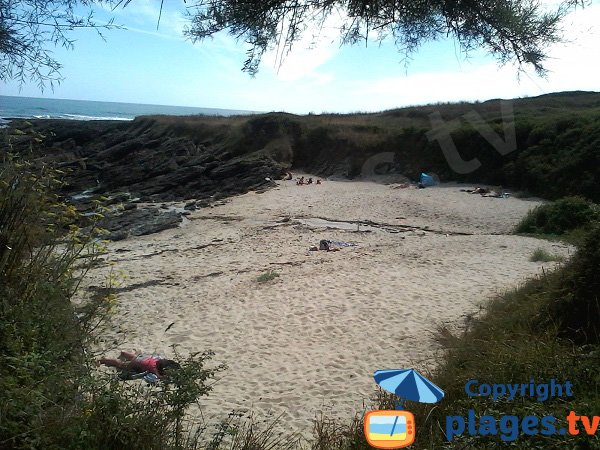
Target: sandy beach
[{"x": 309, "y": 340}]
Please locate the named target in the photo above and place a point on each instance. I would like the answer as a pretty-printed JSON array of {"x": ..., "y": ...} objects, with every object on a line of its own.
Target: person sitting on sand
[
  {"x": 133, "y": 363},
  {"x": 310, "y": 181},
  {"x": 300, "y": 182},
  {"x": 318, "y": 181}
]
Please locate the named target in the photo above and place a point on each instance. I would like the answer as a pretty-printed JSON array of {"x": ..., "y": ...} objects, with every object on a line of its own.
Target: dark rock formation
[
  {"x": 149, "y": 159},
  {"x": 155, "y": 159},
  {"x": 138, "y": 222}
]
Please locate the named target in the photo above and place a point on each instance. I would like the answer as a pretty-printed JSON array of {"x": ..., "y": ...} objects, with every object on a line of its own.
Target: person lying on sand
[
  {"x": 134, "y": 363},
  {"x": 479, "y": 190},
  {"x": 326, "y": 245},
  {"x": 493, "y": 194},
  {"x": 487, "y": 192},
  {"x": 331, "y": 246}
]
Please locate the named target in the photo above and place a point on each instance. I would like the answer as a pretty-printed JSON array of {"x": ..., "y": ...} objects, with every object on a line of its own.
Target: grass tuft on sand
[
  {"x": 541, "y": 255},
  {"x": 267, "y": 276}
]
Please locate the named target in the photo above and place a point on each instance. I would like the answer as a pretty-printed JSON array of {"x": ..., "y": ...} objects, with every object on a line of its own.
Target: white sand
[{"x": 310, "y": 340}]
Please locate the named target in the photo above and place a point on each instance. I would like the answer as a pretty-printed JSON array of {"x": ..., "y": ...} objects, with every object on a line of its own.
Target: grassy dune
[{"x": 557, "y": 139}]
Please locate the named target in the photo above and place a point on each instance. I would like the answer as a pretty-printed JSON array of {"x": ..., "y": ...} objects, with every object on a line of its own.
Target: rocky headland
[{"x": 155, "y": 168}]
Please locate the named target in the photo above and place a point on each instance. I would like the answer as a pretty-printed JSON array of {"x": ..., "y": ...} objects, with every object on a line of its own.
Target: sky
[{"x": 141, "y": 64}]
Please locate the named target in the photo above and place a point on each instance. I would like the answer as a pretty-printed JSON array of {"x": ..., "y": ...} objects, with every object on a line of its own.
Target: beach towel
[{"x": 148, "y": 377}]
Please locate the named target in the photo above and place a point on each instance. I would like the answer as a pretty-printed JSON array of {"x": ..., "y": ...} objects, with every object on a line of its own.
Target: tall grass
[
  {"x": 564, "y": 215},
  {"x": 51, "y": 396},
  {"x": 548, "y": 328},
  {"x": 41, "y": 338},
  {"x": 541, "y": 255}
]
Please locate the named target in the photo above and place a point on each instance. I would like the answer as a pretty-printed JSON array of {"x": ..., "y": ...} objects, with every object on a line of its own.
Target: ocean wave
[
  {"x": 84, "y": 117},
  {"x": 6, "y": 116},
  {"x": 62, "y": 116}
]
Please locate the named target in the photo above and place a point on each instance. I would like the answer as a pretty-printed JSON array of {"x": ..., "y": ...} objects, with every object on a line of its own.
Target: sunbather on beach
[
  {"x": 134, "y": 363},
  {"x": 493, "y": 194},
  {"x": 479, "y": 190}
]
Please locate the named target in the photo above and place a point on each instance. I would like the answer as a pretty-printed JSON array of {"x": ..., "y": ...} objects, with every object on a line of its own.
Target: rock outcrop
[{"x": 151, "y": 158}]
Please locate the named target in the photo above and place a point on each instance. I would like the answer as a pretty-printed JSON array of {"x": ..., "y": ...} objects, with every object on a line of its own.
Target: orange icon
[{"x": 389, "y": 429}]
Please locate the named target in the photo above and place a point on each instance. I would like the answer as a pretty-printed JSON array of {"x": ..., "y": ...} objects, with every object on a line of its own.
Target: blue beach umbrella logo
[
  {"x": 408, "y": 384},
  {"x": 392, "y": 429}
]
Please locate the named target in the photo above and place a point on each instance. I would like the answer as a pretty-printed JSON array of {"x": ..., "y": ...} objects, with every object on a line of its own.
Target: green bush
[
  {"x": 267, "y": 276},
  {"x": 41, "y": 340},
  {"x": 560, "y": 216},
  {"x": 541, "y": 255},
  {"x": 577, "y": 310},
  {"x": 50, "y": 394}
]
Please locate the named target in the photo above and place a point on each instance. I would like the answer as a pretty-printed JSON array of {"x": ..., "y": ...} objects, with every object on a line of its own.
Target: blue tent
[{"x": 427, "y": 180}]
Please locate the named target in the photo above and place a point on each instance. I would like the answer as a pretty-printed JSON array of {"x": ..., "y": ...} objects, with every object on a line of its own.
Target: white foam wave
[
  {"x": 84, "y": 117},
  {"x": 68, "y": 117}
]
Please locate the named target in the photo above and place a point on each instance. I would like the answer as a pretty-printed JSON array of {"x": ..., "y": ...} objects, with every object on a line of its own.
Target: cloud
[
  {"x": 301, "y": 84},
  {"x": 571, "y": 65},
  {"x": 310, "y": 52}
]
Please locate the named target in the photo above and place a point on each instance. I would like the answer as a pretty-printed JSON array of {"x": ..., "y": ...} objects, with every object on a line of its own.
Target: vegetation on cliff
[{"x": 557, "y": 137}]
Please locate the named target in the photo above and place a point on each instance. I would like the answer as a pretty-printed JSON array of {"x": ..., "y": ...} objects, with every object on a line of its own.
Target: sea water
[{"x": 48, "y": 108}]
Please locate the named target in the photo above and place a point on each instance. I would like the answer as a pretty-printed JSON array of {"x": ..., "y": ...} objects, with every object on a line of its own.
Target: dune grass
[
  {"x": 541, "y": 255},
  {"x": 548, "y": 328},
  {"x": 267, "y": 276}
]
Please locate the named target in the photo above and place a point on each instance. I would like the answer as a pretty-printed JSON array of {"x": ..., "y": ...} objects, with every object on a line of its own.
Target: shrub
[
  {"x": 541, "y": 255},
  {"x": 120, "y": 415},
  {"x": 41, "y": 340},
  {"x": 267, "y": 276},
  {"x": 577, "y": 309},
  {"x": 50, "y": 395},
  {"x": 566, "y": 214}
]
